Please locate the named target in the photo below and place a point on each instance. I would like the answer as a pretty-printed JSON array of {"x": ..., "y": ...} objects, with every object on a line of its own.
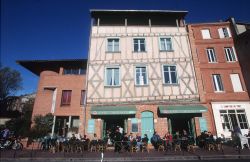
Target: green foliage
[
  {"x": 10, "y": 82},
  {"x": 42, "y": 126},
  {"x": 21, "y": 125}
]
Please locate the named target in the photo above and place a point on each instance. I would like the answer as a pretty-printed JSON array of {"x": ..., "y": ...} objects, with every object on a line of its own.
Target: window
[
  {"x": 134, "y": 123},
  {"x": 139, "y": 45},
  {"x": 231, "y": 118},
  {"x": 224, "y": 32},
  {"x": 230, "y": 54},
  {"x": 112, "y": 76},
  {"x": 211, "y": 55},
  {"x": 141, "y": 75},
  {"x": 66, "y": 97},
  {"x": 74, "y": 71},
  {"x": 235, "y": 79},
  {"x": 166, "y": 44},
  {"x": 113, "y": 45},
  {"x": 218, "y": 86},
  {"x": 170, "y": 74},
  {"x": 83, "y": 97},
  {"x": 205, "y": 34}
]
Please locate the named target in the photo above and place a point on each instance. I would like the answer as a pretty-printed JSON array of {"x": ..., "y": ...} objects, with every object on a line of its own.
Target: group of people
[{"x": 168, "y": 139}]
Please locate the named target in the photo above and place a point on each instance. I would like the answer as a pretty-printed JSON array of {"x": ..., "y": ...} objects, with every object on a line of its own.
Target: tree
[
  {"x": 42, "y": 126},
  {"x": 21, "y": 125},
  {"x": 10, "y": 82}
]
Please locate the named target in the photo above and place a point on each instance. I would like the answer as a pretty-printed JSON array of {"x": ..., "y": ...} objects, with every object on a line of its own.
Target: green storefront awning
[
  {"x": 182, "y": 109},
  {"x": 113, "y": 110}
]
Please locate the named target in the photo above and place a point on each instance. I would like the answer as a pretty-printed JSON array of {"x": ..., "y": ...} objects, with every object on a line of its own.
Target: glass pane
[
  {"x": 143, "y": 47},
  {"x": 245, "y": 126},
  {"x": 223, "y": 111},
  {"x": 173, "y": 77},
  {"x": 233, "y": 120},
  {"x": 240, "y": 111},
  {"x": 143, "y": 69},
  {"x": 239, "y": 118},
  {"x": 231, "y": 111},
  {"x": 136, "y": 47},
  {"x": 226, "y": 118},
  {"x": 166, "y": 77},
  {"x": 144, "y": 78},
  {"x": 162, "y": 44},
  {"x": 172, "y": 68},
  {"x": 116, "y": 77},
  {"x": 165, "y": 68},
  {"x": 109, "y": 76}
]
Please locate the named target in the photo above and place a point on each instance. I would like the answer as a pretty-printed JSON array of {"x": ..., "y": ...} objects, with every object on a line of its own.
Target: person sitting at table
[
  {"x": 85, "y": 141},
  {"x": 145, "y": 138},
  {"x": 168, "y": 140},
  {"x": 154, "y": 140},
  {"x": 131, "y": 137},
  {"x": 125, "y": 142},
  {"x": 138, "y": 140}
]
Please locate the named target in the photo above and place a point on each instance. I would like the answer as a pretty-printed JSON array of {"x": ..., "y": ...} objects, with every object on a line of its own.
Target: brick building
[
  {"x": 219, "y": 76},
  {"x": 61, "y": 91},
  {"x": 141, "y": 75}
]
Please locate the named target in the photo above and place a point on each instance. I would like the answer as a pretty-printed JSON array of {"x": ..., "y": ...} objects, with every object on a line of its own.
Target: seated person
[
  {"x": 125, "y": 142},
  {"x": 138, "y": 140}
]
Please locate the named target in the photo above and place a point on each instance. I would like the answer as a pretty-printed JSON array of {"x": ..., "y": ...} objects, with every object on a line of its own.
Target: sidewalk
[{"x": 199, "y": 154}]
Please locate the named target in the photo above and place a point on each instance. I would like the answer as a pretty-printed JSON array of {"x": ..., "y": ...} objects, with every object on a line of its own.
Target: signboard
[
  {"x": 203, "y": 124},
  {"x": 91, "y": 126}
]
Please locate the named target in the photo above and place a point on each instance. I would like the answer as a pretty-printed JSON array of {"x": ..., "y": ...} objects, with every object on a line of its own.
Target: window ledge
[
  {"x": 219, "y": 92},
  {"x": 113, "y": 52},
  {"x": 166, "y": 50},
  {"x": 145, "y": 85},
  {"x": 171, "y": 84},
  {"x": 110, "y": 86},
  {"x": 65, "y": 105},
  {"x": 231, "y": 61},
  {"x": 213, "y": 62},
  {"x": 139, "y": 51}
]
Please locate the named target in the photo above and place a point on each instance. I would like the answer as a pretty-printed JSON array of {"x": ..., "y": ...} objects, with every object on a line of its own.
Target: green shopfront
[
  {"x": 146, "y": 119},
  {"x": 182, "y": 117}
]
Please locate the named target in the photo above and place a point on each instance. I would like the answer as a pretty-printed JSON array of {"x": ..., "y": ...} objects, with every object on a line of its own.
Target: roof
[
  {"x": 37, "y": 66},
  {"x": 100, "y": 12},
  {"x": 209, "y": 23}
]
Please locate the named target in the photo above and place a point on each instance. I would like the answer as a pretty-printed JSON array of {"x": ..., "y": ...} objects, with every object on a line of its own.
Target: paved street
[{"x": 229, "y": 154}]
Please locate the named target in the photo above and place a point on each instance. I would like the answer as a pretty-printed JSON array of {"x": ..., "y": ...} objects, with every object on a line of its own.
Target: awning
[
  {"x": 182, "y": 109},
  {"x": 113, "y": 110}
]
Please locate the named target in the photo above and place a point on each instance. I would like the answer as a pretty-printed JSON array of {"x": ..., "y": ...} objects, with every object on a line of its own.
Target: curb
[{"x": 163, "y": 158}]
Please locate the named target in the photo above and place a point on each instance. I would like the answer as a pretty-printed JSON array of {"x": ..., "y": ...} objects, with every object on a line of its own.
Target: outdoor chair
[
  {"x": 133, "y": 146},
  {"x": 190, "y": 145},
  {"x": 218, "y": 144},
  {"x": 177, "y": 145},
  {"x": 160, "y": 144},
  {"x": 210, "y": 145},
  {"x": 101, "y": 145},
  {"x": 144, "y": 147},
  {"x": 93, "y": 145},
  {"x": 243, "y": 141}
]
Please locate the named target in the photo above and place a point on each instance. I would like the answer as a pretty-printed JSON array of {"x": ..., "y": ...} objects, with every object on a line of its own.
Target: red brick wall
[{"x": 43, "y": 100}]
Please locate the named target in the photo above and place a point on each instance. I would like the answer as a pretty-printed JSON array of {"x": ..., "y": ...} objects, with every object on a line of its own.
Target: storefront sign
[{"x": 230, "y": 106}]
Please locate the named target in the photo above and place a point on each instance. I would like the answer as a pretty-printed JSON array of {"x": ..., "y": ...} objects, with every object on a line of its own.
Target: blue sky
[{"x": 59, "y": 29}]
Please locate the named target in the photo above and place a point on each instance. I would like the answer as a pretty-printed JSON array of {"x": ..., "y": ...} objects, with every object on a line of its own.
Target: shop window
[
  {"x": 134, "y": 123},
  {"x": 231, "y": 118}
]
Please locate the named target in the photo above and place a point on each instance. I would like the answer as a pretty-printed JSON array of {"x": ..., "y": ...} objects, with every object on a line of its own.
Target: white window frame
[
  {"x": 236, "y": 83},
  {"x": 141, "y": 66},
  {"x": 171, "y": 40},
  {"x": 139, "y": 46},
  {"x": 113, "y": 44},
  {"x": 222, "y": 34},
  {"x": 227, "y": 113},
  {"x": 216, "y": 83},
  {"x": 169, "y": 74},
  {"x": 109, "y": 67},
  {"x": 211, "y": 54},
  {"x": 205, "y": 33},
  {"x": 232, "y": 52}
]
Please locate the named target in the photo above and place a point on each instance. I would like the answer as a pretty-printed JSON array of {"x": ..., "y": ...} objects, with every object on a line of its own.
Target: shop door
[{"x": 147, "y": 124}]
